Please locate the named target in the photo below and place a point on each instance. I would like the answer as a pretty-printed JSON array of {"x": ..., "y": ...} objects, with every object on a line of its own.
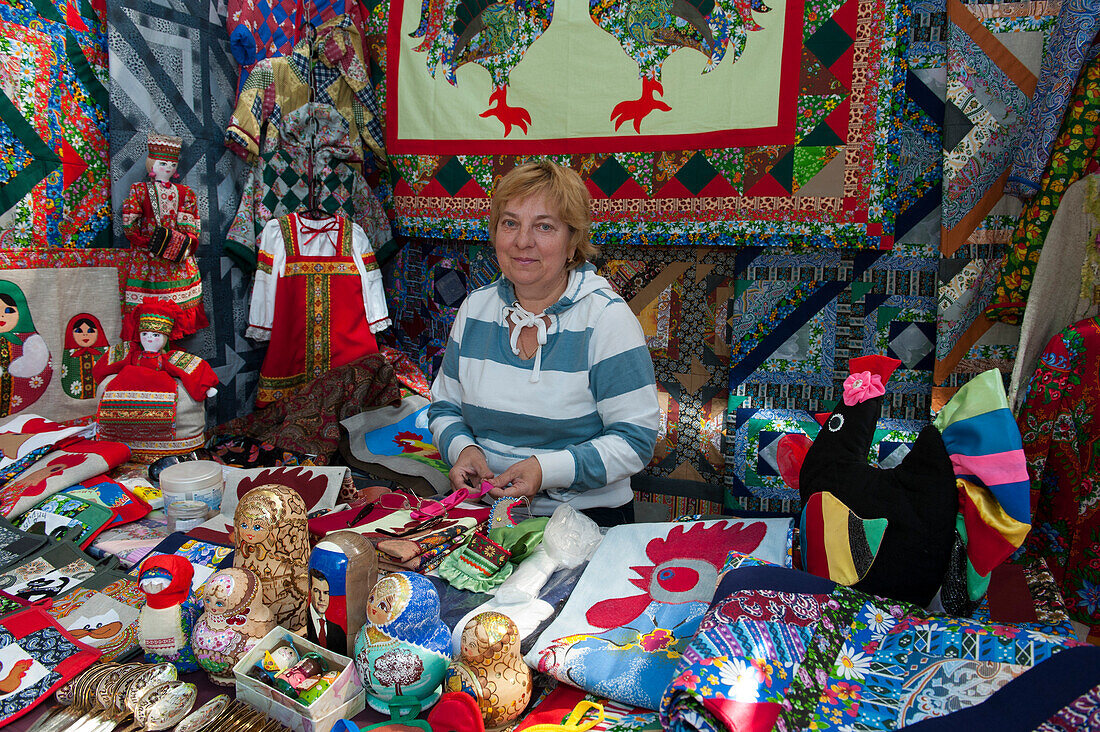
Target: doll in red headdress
[
  {"x": 151, "y": 398},
  {"x": 155, "y": 212}
]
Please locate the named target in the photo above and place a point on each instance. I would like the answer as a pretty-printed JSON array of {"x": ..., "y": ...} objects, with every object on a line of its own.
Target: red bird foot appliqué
[
  {"x": 638, "y": 109},
  {"x": 508, "y": 115}
]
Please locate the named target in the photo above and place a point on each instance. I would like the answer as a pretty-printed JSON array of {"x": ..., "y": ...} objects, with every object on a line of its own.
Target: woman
[{"x": 546, "y": 389}]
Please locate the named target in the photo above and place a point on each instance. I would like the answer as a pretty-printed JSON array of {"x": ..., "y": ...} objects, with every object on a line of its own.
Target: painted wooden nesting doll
[
  {"x": 235, "y": 619},
  {"x": 272, "y": 540},
  {"x": 404, "y": 648},
  {"x": 490, "y": 668},
  {"x": 343, "y": 568}
]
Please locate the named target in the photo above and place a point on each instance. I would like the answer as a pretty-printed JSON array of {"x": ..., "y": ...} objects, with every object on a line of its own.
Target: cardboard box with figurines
[{"x": 294, "y": 667}]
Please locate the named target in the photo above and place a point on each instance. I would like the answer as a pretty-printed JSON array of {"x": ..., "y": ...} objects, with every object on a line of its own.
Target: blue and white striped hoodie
[{"x": 589, "y": 413}]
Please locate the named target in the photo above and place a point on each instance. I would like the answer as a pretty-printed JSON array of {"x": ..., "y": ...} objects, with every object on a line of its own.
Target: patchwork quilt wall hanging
[
  {"x": 993, "y": 56},
  {"x": 798, "y": 140},
  {"x": 54, "y": 177},
  {"x": 171, "y": 72}
]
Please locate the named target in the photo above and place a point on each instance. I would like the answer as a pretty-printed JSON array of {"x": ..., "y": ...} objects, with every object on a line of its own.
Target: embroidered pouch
[
  {"x": 121, "y": 500},
  {"x": 58, "y": 470},
  {"x": 16, "y": 544},
  {"x": 37, "y": 656}
]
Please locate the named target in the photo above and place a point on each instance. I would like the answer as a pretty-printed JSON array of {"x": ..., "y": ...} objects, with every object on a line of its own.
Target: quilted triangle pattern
[
  {"x": 639, "y": 165},
  {"x": 730, "y": 164},
  {"x": 480, "y": 168},
  {"x": 416, "y": 170}
]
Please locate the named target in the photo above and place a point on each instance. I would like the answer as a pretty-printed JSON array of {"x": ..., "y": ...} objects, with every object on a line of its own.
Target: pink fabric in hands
[{"x": 861, "y": 387}]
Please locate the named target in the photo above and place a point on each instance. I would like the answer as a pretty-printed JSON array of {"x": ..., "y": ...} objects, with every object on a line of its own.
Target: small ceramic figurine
[
  {"x": 166, "y": 622},
  {"x": 150, "y": 397},
  {"x": 162, "y": 216},
  {"x": 343, "y": 568},
  {"x": 272, "y": 540},
  {"x": 491, "y": 669},
  {"x": 303, "y": 675},
  {"x": 235, "y": 619},
  {"x": 404, "y": 648}
]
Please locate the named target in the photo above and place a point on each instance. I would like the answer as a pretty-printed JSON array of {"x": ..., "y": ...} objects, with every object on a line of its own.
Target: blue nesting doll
[{"x": 403, "y": 650}]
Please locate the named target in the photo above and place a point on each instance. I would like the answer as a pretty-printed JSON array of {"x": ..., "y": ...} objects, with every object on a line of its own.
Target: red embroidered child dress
[{"x": 318, "y": 298}]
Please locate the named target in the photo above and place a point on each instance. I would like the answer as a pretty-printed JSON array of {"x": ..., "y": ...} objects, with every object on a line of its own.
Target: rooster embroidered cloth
[{"x": 639, "y": 603}]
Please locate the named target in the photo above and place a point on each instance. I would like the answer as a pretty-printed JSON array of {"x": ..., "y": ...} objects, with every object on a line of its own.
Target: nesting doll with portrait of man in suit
[{"x": 343, "y": 569}]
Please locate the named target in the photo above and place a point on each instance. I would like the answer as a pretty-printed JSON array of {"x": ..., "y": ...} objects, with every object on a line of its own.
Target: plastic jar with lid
[
  {"x": 194, "y": 480},
  {"x": 186, "y": 515}
]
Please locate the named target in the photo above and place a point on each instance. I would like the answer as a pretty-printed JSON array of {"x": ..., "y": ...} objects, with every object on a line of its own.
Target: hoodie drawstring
[{"x": 522, "y": 318}]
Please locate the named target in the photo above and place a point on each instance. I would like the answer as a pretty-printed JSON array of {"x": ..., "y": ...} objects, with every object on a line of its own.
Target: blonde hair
[{"x": 563, "y": 189}]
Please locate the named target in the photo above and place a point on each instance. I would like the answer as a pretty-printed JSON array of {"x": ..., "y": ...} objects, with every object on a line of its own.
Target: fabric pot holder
[
  {"x": 65, "y": 516},
  {"x": 51, "y": 572},
  {"x": 126, "y": 506},
  {"x": 16, "y": 544},
  {"x": 37, "y": 656},
  {"x": 103, "y": 612}
]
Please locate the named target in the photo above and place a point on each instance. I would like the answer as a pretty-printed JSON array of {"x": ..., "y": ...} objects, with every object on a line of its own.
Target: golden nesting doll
[
  {"x": 272, "y": 540},
  {"x": 490, "y": 668}
]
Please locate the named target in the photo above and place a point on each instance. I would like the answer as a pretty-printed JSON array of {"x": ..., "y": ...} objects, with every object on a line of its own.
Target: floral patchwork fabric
[{"x": 800, "y": 652}]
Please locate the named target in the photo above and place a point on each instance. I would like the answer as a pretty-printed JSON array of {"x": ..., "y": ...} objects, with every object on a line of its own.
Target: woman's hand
[
  {"x": 470, "y": 469},
  {"x": 525, "y": 478}
]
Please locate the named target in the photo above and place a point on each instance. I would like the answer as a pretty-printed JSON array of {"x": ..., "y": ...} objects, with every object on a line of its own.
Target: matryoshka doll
[
  {"x": 272, "y": 540},
  {"x": 85, "y": 342},
  {"x": 343, "y": 568},
  {"x": 235, "y": 619},
  {"x": 490, "y": 668},
  {"x": 404, "y": 649},
  {"x": 25, "y": 363}
]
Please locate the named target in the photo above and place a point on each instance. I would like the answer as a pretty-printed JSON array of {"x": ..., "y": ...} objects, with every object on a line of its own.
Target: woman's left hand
[{"x": 525, "y": 478}]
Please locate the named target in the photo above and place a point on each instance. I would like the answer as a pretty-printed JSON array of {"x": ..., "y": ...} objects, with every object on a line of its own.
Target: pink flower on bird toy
[{"x": 861, "y": 387}]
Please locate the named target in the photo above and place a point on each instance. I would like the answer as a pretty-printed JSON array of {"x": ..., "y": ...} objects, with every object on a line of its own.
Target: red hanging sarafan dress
[{"x": 317, "y": 298}]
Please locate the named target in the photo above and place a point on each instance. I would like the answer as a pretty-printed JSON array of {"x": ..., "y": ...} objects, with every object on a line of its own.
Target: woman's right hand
[{"x": 470, "y": 469}]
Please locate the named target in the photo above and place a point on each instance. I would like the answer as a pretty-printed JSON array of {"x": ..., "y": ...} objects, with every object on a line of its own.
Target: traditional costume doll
[
  {"x": 25, "y": 363},
  {"x": 155, "y": 209},
  {"x": 166, "y": 622},
  {"x": 85, "y": 342},
  {"x": 142, "y": 405},
  {"x": 272, "y": 540}
]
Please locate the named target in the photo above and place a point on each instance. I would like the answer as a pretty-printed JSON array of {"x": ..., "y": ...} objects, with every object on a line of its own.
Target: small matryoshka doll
[
  {"x": 404, "y": 648},
  {"x": 272, "y": 540},
  {"x": 85, "y": 342},
  {"x": 235, "y": 619},
  {"x": 490, "y": 668},
  {"x": 343, "y": 568}
]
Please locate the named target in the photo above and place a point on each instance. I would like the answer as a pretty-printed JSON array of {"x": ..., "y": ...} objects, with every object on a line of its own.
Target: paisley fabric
[
  {"x": 1062, "y": 444},
  {"x": 1075, "y": 157},
  {"x": 780, "y": 648},
  {"x": 308, "y": 421}
]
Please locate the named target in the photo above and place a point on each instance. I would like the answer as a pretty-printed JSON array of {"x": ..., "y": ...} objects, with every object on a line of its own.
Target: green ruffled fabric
[{"x": 520, "y": 540}]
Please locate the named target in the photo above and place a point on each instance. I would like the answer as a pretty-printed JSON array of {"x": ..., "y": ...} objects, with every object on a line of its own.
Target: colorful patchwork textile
[
  {"x": 640, "y": 601},
  {"x": 1076, "y": 157},
  {"x": 798, "y": 140},
  {"x": 73, "y": 463},
  {"x": 994, "y": 52},
  {"x": 54, "y": 179},
  {"x": 798, "y": 652},
  {"x": 1070, "y": 44}
]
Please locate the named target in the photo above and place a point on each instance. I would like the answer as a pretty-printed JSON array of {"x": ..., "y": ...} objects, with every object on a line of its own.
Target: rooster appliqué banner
[{"x": 692, "y": 121}]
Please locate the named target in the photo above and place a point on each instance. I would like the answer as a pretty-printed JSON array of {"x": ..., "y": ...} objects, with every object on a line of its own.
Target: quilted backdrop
[
  {"x": 797, "y": 140},
  {"x": 54, "y": 181},
  {"x": 171, "y": 72}
]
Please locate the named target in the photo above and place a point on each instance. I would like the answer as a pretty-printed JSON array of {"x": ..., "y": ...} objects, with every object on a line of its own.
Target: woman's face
[
  {"x": 532, "y": 246},
  {"x": 84, "y": 335},
  {"x": 9, "y": 317}
]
